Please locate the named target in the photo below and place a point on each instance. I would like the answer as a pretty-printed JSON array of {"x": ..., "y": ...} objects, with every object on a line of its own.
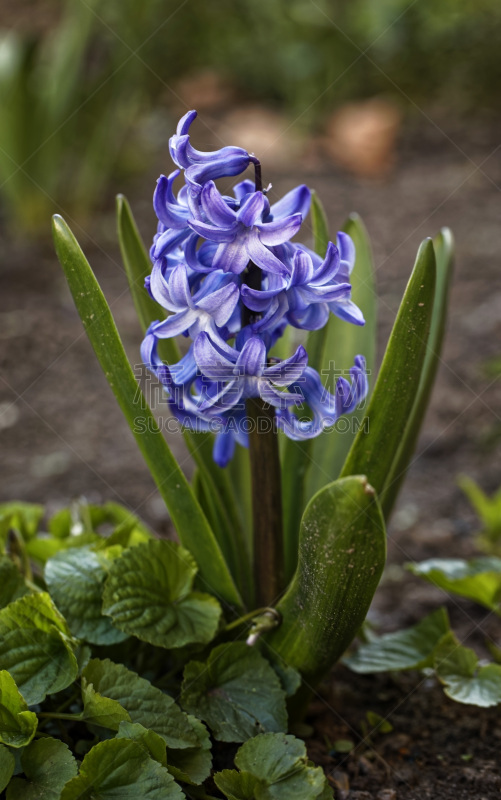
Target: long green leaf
[
  {"x": 444, "y": 253},
  {"x": 296, "y": 456},
  {"x": 342, "y": 550},
  {"x": 376, "y": 444},
  {"x": 191, "y": 524},
  {"x": 341, "y": 343},
  {"x": 216, "y": 482},
  {"x": 312, "y": 464},
  {"x": 219, "y": 494},
  {"x": 138, "y": 266}
]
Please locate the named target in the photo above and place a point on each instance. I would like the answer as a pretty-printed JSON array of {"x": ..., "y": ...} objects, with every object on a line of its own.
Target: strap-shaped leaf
[
  {"x": 225, "y": 522},
  {"x": 313, "y": 464},
  {"x": 138, "y": 266},
  {"x": 191, "y": 524},
  {"x": 376, "y": 444},
  {"x": 342, "y": 550},
  {"x": 219, "y": 500},
  {"x": 342, "y": 342},
  {"x": 444, "y": 254}
]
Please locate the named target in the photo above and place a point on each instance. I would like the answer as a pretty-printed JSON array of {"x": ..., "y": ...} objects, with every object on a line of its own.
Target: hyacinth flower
[
  {"x": 286, "y": 508},
  {"x": 304, "y": 296}
]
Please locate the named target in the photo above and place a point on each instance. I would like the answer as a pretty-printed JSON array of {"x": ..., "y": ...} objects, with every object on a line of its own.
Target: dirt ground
[{"x": 62, "y": 436}]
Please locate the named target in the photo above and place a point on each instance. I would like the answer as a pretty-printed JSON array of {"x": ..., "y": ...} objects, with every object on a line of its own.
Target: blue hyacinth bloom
[{"x": 231, "y": 280}]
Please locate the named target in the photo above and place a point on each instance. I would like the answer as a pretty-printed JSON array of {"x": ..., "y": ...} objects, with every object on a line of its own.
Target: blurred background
[{"x": 385, "y": 107}]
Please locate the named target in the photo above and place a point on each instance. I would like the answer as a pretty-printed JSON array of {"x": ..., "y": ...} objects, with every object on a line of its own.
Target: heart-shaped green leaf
[
  {"x": 236, "y": 692},
  {"x": 273, "y": 767},
  {"x": 100, "y": 710},
  {"x": 48, "y": 765},
  {"x": 148, "y": 593},
  {"x": 192, "y": 765},
  {"x": 478, "y": 579},
  {"x": 17, "y": 724},
  {"x": 152, "y": 741},
  {"x": 75, "y": 579},
  {"x": 412, "y": 648},
  {"x": 7, "y": 765},
  {"x": 35, "y": 647},
  {"x": 144, "y": 703},
  {"x": 119, "y": 768},
  {"x": 465, "y": 680},
  {"x": 12, "y": 585}
]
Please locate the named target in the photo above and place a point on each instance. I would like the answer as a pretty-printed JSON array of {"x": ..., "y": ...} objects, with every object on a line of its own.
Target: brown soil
[{"x": 62, "y": 436}]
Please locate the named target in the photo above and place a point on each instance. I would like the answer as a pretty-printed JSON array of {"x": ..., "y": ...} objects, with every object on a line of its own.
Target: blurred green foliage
[
  {"x": 489, "y": 512},
  {"x": 72, "y": 99}
]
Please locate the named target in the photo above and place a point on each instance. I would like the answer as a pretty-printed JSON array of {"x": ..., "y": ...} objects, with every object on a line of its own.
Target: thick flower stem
[{"x": 266, "y": 502}]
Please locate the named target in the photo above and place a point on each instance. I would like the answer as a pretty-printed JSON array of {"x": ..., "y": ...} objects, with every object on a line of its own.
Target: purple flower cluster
[{"x": 225, "y": 269}]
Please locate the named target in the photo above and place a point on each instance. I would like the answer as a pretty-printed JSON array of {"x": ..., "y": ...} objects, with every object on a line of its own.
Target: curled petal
[
  {"x": 213, "y": 233},
  {"x": 168, "y": 241},
  {"x": 198, "y": 173},
  {"x": 279, "y": 231},
  {"x": 179, "y": 287},
  {"x": 289, "y": 371},
  {"x": 226, "y": 399},
  {"x": 252, "y": 359},
  {"x": 231, "y": 256},
  {"x": 170, "y": 213},
  {"x": 347, "y": 310},
  {"x": 264, "y": 258},
  {"x": 243, "y": 188},
  {"x": 297, "y": 201},
  {"x": 256, "y": 299},
  {"x": 215, "y": 208},
  {"x": 221, "y": 303},
  {"x": 302, "y": 269},
  {"x": 274, "y": 397},
  {"x": 311, "y": 318},
  {"x": 158, "y": 285},
  {"x": 346, "y": 250},
  {"x": 184, "y": 123},
  {"x": 224, "y": 448},
  {"x": 211, "y": 361},
  {"x": 328, "y": 270},
  {"x": 176, "y": 324},
  {"x": 252, "y": 209},
  {"x": 277, "y": 309}
]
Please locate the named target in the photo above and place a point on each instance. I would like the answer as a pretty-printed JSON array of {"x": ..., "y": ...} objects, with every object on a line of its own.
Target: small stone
[
  {"x": 362, "y": 136},
  {"x": 386, "y": 794}
]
